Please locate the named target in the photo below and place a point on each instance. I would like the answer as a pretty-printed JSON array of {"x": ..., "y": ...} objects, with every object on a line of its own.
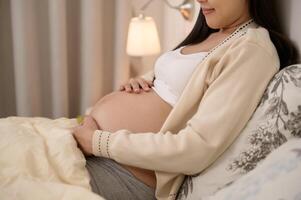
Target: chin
[{"x": 213, "y": 25}]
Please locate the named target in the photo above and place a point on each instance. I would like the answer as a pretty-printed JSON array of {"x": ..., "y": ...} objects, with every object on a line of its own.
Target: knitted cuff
[{"x": 100, "y": 143}]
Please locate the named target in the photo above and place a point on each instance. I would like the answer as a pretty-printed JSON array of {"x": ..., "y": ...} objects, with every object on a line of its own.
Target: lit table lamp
[{"x": 143, "y": 38}]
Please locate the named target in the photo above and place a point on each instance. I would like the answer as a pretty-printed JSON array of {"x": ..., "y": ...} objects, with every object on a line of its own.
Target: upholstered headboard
[{"x": 291, "y": 20}]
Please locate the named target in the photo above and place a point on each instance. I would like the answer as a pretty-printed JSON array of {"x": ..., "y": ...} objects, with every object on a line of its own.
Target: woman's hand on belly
[
  {"x": 136, "y": 84},
  {"x": 83, "y": 134}
]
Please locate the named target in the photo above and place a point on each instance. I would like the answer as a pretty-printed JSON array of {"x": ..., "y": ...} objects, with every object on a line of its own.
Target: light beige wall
[{"x": 175, "y": 27}]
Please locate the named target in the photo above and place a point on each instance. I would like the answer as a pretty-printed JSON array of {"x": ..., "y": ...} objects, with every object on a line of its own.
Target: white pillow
[
  {"x": 277, "y": 177},
  {"x": 276, "y": 120}
]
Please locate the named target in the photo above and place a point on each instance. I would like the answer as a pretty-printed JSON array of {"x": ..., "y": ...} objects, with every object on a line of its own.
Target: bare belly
[{"x": 138, "y": 113}]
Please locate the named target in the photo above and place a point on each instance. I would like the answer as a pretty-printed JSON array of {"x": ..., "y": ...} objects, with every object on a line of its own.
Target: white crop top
[{"x": 172, "y": 71}]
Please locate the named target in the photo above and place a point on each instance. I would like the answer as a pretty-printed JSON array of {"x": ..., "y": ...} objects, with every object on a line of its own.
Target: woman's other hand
[
  {"x": 83, "y": 134},
  {"x": 136, "y": 85}
]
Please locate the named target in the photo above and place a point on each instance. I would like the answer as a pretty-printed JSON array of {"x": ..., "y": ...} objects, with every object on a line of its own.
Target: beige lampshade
[{"x": 143, "y": 38}]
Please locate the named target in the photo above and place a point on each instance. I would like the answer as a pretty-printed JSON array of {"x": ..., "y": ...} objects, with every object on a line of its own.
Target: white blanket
[{"x": 39, "y": 159}]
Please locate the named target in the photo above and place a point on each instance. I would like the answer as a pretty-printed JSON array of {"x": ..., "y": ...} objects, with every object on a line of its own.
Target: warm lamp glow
[{"x": 143, "y": 37}]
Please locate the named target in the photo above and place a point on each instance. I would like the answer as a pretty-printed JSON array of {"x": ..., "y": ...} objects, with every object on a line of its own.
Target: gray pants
[{"x": 113, "y": 182}]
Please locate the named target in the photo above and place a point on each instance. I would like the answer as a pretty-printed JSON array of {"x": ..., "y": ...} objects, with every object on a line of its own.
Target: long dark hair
[{"x": 264, "y": 13}]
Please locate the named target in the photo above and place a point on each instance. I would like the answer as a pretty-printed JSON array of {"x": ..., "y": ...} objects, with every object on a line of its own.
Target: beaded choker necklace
[{"x": 240, "y": 30}]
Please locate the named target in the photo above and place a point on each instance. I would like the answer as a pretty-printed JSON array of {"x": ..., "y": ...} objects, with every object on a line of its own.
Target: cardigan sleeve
[{"x": 224, "y": 110}]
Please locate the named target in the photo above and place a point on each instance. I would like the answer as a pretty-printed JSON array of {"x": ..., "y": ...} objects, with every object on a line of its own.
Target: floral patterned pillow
[
  {"x": 277, "y": 177},
  {"x": 276, "y": 120}
]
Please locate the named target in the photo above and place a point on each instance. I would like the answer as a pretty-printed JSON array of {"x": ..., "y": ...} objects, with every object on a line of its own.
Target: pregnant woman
[{"x": 179, "y": 118}]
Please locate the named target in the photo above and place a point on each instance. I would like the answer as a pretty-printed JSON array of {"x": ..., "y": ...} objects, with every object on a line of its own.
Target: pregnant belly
[
  {"x": 138, "y": 113},
  {"x": 143, "y": 112}
]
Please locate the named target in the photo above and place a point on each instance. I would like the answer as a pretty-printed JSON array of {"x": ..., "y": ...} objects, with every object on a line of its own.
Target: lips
[{"x": 207, "y": 11}]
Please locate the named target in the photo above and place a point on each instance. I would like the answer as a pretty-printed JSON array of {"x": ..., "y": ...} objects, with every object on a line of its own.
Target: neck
[{"x": 232, "y": 27}]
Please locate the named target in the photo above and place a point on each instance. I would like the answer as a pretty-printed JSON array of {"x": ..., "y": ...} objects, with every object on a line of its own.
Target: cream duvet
[{"x": 39, "y": 159}]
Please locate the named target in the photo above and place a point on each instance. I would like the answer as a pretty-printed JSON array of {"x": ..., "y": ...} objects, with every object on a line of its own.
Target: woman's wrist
[
  {"x": 100, "y": 143},
  {"x": 96, "y": 141}
]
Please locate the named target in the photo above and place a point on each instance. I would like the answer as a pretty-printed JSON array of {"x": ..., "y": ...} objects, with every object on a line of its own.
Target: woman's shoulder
[{"x": 260, "y": 36}]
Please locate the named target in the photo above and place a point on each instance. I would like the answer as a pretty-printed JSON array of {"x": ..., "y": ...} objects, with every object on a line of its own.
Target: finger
[
  {"x": 128, "y": 88},
  {"x": 150, "y": 83},
  {"x": 87, "y": 120},
  {"x": 135, "y": 85},
  {"x": 90, "y": 122},
  {"x": 121, "y": 88},
  {"x": 143, "y": 84},
  {"x": 95, "y": 123}
]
